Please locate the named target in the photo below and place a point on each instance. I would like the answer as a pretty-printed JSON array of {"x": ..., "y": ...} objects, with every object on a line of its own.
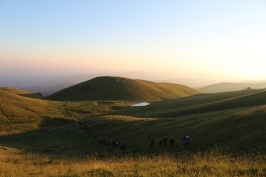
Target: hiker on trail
[
  {"x": 180, "y": 142},
  {"x": 100, "y": 140},
  {"x": 160, "y": 143},
  {"x": 117, "y": 143},
  {"x": 109, "y": 143},
  {"x": 165, "y": 141},
  {"x": 171, "y": 142},
  {"x": 79, "y": 124},
  {"x": 186, "y": 141},
  {"x": 113, "y": 143},
  {"x": 122, "y": 145},
  {"x": 152, "y": 142}
]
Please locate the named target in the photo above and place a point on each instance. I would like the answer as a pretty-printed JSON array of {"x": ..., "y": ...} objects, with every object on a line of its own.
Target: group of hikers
[
  {"x": 109, "y": 143},
  {"x": 183, "y": 142}
]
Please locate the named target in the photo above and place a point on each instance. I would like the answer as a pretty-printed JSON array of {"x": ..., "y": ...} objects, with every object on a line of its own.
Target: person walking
[
  {"x": 186, "y": 141},
  {"x": 171, "y": 142},
  {"x": 160, "y": 143},
  {"x": 152, "y": 142},
  {"x": 165, "y": 141}
]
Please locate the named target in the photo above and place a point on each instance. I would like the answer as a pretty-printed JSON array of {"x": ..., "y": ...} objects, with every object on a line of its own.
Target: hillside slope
[
  {"x": 21, "y": 110},
  {"x": 230, "y": 86},
  {"x": 118, "y": 88},
  {"x": 200, "y": 103},
  {"x": 255, "y": 99},
  {"x": 234, "y": 120}
]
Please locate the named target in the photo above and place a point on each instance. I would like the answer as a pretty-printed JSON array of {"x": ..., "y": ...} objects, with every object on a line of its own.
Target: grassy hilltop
[
  {"x": 230, "y": 86},
  {"x": 45, "y": 130},
  {"x": 118, "y": 88}
]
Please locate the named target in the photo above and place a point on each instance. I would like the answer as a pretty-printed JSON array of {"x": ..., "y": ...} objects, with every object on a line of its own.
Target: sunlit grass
[{"x": 16, "y": 163}]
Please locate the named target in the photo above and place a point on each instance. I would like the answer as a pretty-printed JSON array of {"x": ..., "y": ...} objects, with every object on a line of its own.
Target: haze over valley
[
  {"x": 132, "y": 88},
  {"x": 48, "y": 86}
]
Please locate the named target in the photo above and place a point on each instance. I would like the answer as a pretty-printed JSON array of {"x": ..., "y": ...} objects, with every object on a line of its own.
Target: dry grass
[{"x": 15, "y": 163}]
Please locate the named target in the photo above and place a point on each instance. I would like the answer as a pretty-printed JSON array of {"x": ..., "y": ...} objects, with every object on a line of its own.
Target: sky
[{"x": 173, "y": 38}]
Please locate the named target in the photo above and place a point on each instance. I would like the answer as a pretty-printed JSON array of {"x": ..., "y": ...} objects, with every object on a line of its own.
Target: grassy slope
[
  {"x": 232, "y": 120},
  {"x": 228, "y": 86},
  {"x": 23, "y": 111},
  {"x": 170, "y": 107},
  {"x": 236, "y": 123},
  {"x": 117, "y": 88}
]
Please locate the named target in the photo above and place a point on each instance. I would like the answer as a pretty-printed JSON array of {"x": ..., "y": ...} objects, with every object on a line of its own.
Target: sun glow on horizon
[{"x": 196, "y": 39}]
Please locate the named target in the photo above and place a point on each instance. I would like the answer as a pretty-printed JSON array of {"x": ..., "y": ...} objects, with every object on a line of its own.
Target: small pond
[{"x": 141, "y": 104}]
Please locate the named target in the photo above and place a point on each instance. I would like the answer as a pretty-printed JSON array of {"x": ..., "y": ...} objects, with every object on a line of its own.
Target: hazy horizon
[{"x": 220, "y": 40}]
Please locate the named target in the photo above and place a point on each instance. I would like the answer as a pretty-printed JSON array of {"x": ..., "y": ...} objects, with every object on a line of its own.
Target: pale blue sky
[{"x": 223, "y": 39}]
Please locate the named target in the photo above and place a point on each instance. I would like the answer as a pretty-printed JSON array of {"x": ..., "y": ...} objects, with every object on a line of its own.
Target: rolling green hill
[
  {"x": 202, "y": 103},
  {"x": 231, "y": 121},
  {"x": 118, "y": 88}
]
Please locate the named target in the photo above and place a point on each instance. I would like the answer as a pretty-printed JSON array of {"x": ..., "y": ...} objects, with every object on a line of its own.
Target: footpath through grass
[{"x": 40, "y": 137}]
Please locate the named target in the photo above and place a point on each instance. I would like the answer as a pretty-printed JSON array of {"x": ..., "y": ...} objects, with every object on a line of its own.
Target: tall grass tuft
[{"x": 213, "y": 163}]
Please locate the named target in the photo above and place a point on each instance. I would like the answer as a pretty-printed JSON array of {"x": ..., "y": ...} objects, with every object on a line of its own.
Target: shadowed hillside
[
  {"x": 117, "y": 88},
  {"x": 200, "y": 103},
  {"x": 232, "y": 120}
]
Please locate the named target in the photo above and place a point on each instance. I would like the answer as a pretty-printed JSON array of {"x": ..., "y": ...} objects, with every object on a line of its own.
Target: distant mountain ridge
[
  {"x": 119, "y": 88},
  {"x": 229, "y": 86},
  {"x": 47, "y": 86},
  {"x": 46, "y": 91},
  {"x": 52, "y": 86}
]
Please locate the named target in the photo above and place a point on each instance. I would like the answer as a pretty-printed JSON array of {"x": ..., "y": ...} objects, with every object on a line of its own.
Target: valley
[{"x": 224, "y": 123}]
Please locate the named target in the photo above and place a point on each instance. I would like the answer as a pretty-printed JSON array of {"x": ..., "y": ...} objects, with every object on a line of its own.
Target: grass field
[
  {"x": 43, "y": 136},
  {"x": 19, "y": 163}
]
